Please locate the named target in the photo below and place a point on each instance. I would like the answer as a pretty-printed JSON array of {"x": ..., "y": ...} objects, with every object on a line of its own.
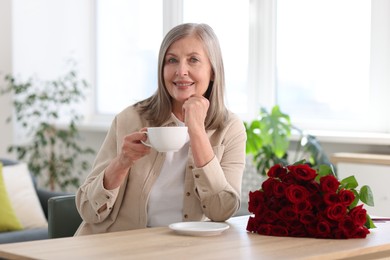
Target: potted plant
[
  {"x": 52, "y": 149},
  {"x": 268, "y": 141}
]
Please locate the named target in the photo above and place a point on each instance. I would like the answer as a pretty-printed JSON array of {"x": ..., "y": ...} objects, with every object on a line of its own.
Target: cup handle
[{"x": 146, "y": 144}]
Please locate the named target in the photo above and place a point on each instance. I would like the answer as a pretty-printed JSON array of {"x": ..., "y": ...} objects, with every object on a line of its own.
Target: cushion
[
  {"x": 8, "y": 219},
  {"x": 23, "y": 196}
]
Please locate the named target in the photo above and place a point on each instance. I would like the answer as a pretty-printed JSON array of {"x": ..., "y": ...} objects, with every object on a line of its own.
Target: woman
[{"x": 133, "y": 186}]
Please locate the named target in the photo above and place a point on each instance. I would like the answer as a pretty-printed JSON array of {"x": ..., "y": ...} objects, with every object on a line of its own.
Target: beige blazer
[{"x": 211, "y": 192}]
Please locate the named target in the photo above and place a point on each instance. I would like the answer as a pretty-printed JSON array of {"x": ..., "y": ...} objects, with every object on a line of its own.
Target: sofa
[{"x": 31, "y": 233}]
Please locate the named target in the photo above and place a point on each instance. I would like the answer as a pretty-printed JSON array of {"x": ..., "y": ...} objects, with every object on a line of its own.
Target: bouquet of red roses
[{"x": 299, "y": 201}]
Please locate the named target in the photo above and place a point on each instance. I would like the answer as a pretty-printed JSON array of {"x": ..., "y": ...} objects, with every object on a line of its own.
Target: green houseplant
[
  {"x": 52, "y": 149},
  {"x": 268, "y": 141}
]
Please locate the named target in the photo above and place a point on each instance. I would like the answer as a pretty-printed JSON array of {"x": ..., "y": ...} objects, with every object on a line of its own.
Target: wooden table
[{"x": 234, "y": 243}]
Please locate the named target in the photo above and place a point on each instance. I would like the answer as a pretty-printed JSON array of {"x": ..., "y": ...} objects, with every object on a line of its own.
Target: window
[
  {"x": 325, "y": 62},
  {"x": 128, "y": 38}
]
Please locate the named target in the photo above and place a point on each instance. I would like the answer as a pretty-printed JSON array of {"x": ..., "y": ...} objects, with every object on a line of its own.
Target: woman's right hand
[{"x": 132, "y": 150}]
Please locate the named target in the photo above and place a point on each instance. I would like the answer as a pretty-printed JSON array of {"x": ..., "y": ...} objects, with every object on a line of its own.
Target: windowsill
[
  {"x": 349, "y": 137},
  {"x": 362, "y": 138}
]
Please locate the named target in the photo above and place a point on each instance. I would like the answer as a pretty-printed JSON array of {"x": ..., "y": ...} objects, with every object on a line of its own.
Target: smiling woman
[{"x": 200, "y": 181}]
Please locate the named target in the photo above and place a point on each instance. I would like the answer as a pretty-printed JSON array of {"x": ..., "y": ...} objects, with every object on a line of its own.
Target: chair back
[{"x": 64, "y": 219}]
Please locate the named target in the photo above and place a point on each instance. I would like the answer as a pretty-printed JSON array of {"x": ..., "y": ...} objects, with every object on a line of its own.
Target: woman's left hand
[{"x": 195, "y": 111}]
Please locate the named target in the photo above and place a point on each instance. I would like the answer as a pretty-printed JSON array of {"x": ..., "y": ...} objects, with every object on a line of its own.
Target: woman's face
[{"x": 187, "y": 69}]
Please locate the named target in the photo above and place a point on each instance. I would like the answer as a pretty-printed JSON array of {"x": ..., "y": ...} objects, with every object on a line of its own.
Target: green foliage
[
  {"x": 52, "y": 152},
  {"x": 268, "y": 138},
  {"x": 268, "y": 141}
]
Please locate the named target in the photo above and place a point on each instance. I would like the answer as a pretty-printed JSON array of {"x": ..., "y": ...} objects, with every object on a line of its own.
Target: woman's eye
[
  {"x": 171, "y": 60},
  {"x": 193, "y": 59}
]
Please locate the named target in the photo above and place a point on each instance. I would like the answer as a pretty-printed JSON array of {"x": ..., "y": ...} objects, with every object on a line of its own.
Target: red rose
[
  {"x": 274, "y": 204},
  {"x": 313, "y": 186},
  {"x": 347, "y": 225},
  {"x": 302, "y": 206},
  {"x": 288, "y": 179},
  {"x": 307, "y": 218},
  {"x": 288, "y": 214},
  {"x": 280, "y": 231},
  {"x": 316, "y": 200},
  {"x": 267, "y": 186},
  {"x": 331, "y": 198},
  {"x": 346, "y": 197},
  {"x": 302, "y": 172},
  {"x": 265, "y": 229},
  {"x": 256, "y": 200},
  {"x": 360, "y": 232},
  {"x": 341, "y": 234},
  {"x": 270, "y": 216},
  {"x": 311, "y": 229},
  {"x": 336, "y": 211},
  {"x": 323, "y": 229},
  {"x": 296, "y": 193},
  {"x": 329, "y": 183},
  {"x": 277, "y": 171},
  {"x": 358, "y": 215},
  {"x": 278, "y": 189},
  {"x": 252, "y": 225},
  {"x": 297, "y": 229}
]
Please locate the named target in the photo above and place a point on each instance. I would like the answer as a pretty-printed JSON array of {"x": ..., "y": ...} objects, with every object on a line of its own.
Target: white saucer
[{"x": 199, "y": 228}]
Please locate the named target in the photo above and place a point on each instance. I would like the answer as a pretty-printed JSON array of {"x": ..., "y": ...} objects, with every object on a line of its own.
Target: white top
[{"x": 165, "y": 205}]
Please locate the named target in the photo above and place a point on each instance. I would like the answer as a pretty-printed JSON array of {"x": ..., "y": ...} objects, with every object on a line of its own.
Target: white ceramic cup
[{"x": 166, "y": 138}]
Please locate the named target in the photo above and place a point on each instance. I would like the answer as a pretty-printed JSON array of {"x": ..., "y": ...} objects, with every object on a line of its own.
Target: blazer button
[
  {"x": 197, "y": 176},
  {"x": 204, "y": 206},
  {"x": 185, "y": 216},
  {"x": 188, "y": 194},
  {"x": 191, "y": 167}
]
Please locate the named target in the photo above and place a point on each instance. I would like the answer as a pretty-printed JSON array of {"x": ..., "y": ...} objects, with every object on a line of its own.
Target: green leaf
[
  {"x": 366, "y": 195},
  {"x": 356, "y": 200},
  {"x": 324, "y": 170},
  {"x": 349, "y": 182},
  {"x": 300, "y": 162},
  {"x": 369, "y": 223}
]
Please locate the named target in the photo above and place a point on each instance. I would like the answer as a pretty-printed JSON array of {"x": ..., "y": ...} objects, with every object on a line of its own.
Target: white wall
[
  {"x": 5, "y": 67},
  {"x": 46, "y": 33}
]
